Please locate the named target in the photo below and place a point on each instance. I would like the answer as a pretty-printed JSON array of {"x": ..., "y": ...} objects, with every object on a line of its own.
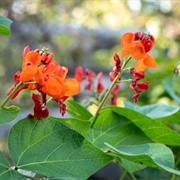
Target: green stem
[
  {"x": 176, "y": 164},
  {"x": 11, "y": 95},
  {"x": 110, "y": 89},
  {"x": 123, "y": 175}
]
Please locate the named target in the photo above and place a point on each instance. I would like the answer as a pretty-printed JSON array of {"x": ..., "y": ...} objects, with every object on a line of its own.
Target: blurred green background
[{"x": 87, "y": 33}]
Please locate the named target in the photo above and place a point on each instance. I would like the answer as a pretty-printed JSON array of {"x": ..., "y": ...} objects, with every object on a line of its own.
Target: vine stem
[
  {"x": 14, "y": 91},
  {"x": 11, "y": 95},
  {"x": 110, "y": 89}
]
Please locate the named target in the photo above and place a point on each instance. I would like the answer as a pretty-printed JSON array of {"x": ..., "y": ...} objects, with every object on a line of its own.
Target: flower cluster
[
  {"x": 137, "y": 45},
  {"x": 40, "y": 72},
  {"x": 89, "y": 75}
]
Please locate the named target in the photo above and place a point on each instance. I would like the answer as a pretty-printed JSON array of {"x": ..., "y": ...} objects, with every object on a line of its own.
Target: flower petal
[
  {"x": 149, "y": 61},
  {"x": 72, "y": 87},
  {"x": 38, "y": 77},
  {"x": 127, "y": 38},
  {"x": 32, "y": 58},
  {"x": 140, "y": 66},
  {"x": 135, "y": 49},
  {"x": 54, "y": 87},
  {"x": 28, "y": 73},
  {"x": 138, "y": 51}
]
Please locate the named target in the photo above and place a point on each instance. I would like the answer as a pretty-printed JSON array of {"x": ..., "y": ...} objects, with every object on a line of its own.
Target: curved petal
[
  {"x": 127, "y": 49},
  {"x": 54, "y": 87},
  {"x": 135, "y": 49},
  {"x": 149, "y": 61},
  {"x": 72, "y": 87},
  {"x": 138, "y": 51},
  {"x": 38, "y": 77},
  {"x": 28, "y": 73},
  {"x": 51, "y": 68},
  {"x": 127, "y": 38},
  {"x": 62, "y": 71},
  {"x": 140, "y": 66},
  {"x": 32, "y": 58}
]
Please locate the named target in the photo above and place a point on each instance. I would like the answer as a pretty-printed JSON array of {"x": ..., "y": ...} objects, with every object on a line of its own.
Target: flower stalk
[
  {"x": 116, "y": 80},
  {"x": 11, "y": 95}
]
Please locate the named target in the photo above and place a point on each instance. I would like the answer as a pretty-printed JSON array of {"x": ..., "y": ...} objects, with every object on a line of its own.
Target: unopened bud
[{"x": 49, "y": 58}]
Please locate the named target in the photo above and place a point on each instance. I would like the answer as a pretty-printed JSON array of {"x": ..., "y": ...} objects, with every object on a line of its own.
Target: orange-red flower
[
  {"x": 50, "y": 76},
  {"x": 46, "y": 76},
  {"x": 137, "y": 45}
]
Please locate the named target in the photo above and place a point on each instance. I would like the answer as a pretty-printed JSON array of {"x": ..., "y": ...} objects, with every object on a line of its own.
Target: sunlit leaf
[
  {"x": 155, "y": 130},
  {"x": 77, "y": 111},
  {"x": 7, "y": 114},
  {"x": 49, "y": 148},
  {"x": 151, "y": 154},
  {"x": 5, "y": 24},
  {"x": 153, "y": 110},
  {"x": 6, "y": 172}
]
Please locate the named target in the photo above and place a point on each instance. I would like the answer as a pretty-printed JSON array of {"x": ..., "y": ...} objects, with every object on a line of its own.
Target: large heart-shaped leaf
[
  {"x": 77, "y": 111},
  {"x": 5, "y": 24},
  {"x": 151, "y": 154},
  {"x": 155, "y": 130},
  {"x": 153, "y": 110},
  {"x": 49, "y": 148},
  {"x": 6, "y": 172},
  {"x": 7, "y": 114}
]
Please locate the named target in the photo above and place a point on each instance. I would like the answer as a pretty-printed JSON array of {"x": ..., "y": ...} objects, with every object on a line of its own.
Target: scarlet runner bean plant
[{"x": 44, "y": 147}]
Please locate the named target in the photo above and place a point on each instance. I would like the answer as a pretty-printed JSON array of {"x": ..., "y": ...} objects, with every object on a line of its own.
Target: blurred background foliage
[{"x": 87, "y": 33}]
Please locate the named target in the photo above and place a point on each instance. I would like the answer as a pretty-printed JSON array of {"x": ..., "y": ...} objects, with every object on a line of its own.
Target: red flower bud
[
  {"x": 136, "y": 95},
  {"x": 137, "y": 75},
  {"x": 49, "y": 58},
  {"x": 26, "y": 50},
  {"x": 142, "y": 86},
  {"x": 44, "y": 56},
  {"x": 79, "y": 74},
  {"x": 133, "y": 84}
]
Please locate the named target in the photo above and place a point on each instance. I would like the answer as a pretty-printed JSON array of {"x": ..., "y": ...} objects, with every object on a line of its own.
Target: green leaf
[
  {"x": 117, "y": 130},
  {"x": 173, "y": 118},
  {"x": 7, "y": 114},
  {"x": 6, "y": 172},
  {"x": 154, "y": 110},
  {"x": 151, "y": 154},
  {"x": 5, "y": 24},
  {"x": 77, "y": 111},
  {"x": 49, "y": 148},
  {"x": 155, "y": 130},
  {"x": 168, "y": 83},
  {"x": 79, "y": 125},
  {"x": 130, "y": 166}
]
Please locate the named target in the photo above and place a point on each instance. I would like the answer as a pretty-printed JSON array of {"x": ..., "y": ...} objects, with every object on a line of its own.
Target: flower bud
[
  {"x": 137, "y": 75},
  {"x": 142, "y": 86},
  {"x": 26, "y": 50},
  {"x": 49, "y": 58}
]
